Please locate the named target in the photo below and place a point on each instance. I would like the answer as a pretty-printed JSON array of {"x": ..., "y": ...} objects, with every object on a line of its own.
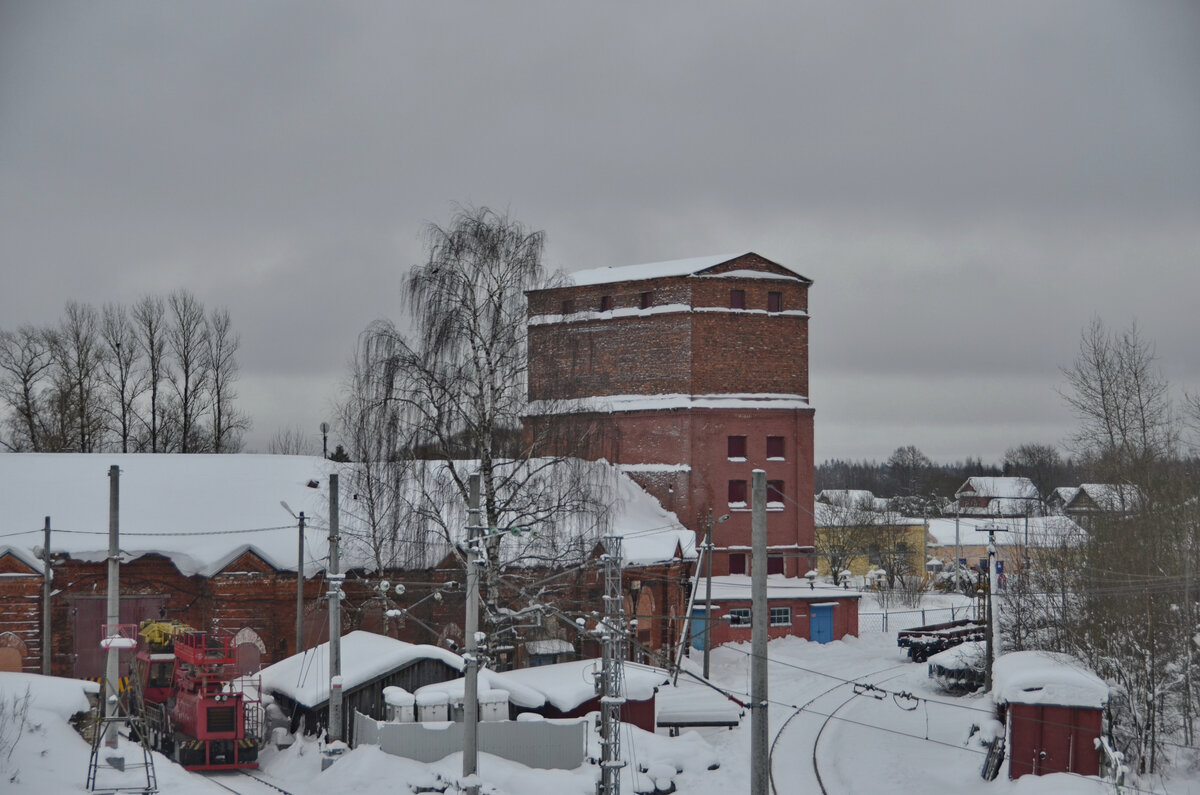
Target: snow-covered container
[
  {"x": 1054, "y": 709},
  {"x": 493, "y": 705},
  {"x": 960, "y": 668},
  {"x": 432, "y": 706},
  {"x": 401, "y": 705}
]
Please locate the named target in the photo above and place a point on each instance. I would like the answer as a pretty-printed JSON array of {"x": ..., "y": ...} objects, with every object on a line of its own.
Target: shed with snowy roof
[
  {"x": 370, "y": 664},
  {"x": 1053, "y": 708}
]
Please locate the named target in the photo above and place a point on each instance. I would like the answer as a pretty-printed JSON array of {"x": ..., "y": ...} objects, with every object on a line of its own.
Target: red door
[{"x": 90, "y": 613}]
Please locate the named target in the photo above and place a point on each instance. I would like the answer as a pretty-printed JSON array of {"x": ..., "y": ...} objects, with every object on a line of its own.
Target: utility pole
[
  {"x": 708, "y": 545},
  {"x": 612, "y": 690},
  {"x": 475, "y": 561},
  {"x": 111, "y": 674},
  {"x": 708, "y": 548},
  {"x": 47, "y": 579},
  {"x": 300, "y": 589},
  {"x": 760, "y": 739},
  {"x": 335, "y": 618},
  {"x": 991, "y": 623},
  {"x": 957, "y": 553}
]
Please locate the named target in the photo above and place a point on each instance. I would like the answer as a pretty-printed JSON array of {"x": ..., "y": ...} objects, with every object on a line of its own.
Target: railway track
[
  {"x": 863, "y": 679},
  {"x": 243, "y": 782}
]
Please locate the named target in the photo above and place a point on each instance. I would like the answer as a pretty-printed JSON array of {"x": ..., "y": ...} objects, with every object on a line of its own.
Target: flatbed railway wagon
[
  {"x": 198, "y": 709},
  {"x": 924, "y": 642}
]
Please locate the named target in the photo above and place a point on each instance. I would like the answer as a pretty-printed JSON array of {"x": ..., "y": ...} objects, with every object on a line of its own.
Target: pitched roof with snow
[
  {"x": 304, "y": 677},
  {"x": 203, "y": 512},
  {"x": 1042, "y": 677},
  {"x": 672, "y": 268},
  {"x": 1041, "y": 531},
  {"x": 1003, "y": 488}
]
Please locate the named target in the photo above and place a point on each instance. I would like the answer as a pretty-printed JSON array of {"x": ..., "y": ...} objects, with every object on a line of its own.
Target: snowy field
[{"x": 874, "y": 742}]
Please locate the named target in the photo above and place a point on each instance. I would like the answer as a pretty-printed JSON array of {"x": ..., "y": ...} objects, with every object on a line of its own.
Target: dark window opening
[
  {"x": 774, "y": 302},
  {"x": 774, "y": 491},
  {"x": 606, "y": 303},
  {"x": 568, "y": 306},
  {"x": 737, "y": 299},
  {"x": 737, "y": 447},
  {"x": 737, "y": 563},
  {"x": 775, "y": 564},
  {"x": 775, "y": 447},
  {"x": 647, "y": 300},
  {"x": 737, "y": 492}
]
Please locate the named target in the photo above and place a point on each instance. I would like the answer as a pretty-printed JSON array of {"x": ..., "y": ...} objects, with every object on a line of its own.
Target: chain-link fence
[{"x": 894, "y": 620}]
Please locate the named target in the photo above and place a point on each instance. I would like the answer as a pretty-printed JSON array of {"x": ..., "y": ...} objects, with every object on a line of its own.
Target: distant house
[
  {"x": 1017, "y": 538},
  {"x": 1089, "y": 500},
  {"x": 867, "y": 537},
  {"x": 987, "y": 496}
]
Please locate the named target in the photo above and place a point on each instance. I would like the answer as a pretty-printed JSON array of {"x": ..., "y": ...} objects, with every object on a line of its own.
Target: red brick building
[{"x": 697, "y": 373}]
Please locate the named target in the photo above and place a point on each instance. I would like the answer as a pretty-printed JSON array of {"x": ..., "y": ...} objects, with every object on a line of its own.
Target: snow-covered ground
[{"x": 918, "y": 743}]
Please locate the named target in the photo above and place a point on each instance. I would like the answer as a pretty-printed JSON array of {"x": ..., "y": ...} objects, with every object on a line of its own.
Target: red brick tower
[{"x": 697, "y": 371}]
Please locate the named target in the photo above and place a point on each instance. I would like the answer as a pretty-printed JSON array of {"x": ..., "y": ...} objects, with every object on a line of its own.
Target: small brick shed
[{"x": 1053, "y": 708}]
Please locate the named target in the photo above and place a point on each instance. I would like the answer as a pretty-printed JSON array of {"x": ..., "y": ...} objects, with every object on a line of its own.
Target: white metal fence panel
[{"x": 537, "y": 744}]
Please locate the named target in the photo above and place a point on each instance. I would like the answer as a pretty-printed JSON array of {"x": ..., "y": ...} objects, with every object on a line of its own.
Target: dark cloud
[{"x": 968, "y": 184}]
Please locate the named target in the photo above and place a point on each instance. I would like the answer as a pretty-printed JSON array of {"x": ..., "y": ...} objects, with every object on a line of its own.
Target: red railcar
[{"x": 198, "y": 708}]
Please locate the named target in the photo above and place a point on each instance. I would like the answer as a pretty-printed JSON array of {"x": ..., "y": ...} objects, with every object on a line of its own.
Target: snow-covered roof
[
  {"x": 848, "y": 498},
  {"x": 1109, "y": 496},
  {"x": 737, "y": 587},
  {"x": 563, "y": 686},
  {"x": 658, "y": 270},
  {"x": 1006, "y": 488},
  {"x": 567, "y": 685},
  {"x": 304, "y": 677},
  {"x": 549, "y": 646},
  {"x": 837, "y": 515},
  {"x": 1043, "y": 531},
  {"x": 201, "y": 511},
  {"x": 1042, "y": 677},
  {"x": 204, "y": 511}
]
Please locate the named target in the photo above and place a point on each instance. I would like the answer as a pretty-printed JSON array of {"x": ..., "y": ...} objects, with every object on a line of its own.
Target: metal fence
[
  {"x": 894, "y": 620},
  {"x": 542, "y": 744}
]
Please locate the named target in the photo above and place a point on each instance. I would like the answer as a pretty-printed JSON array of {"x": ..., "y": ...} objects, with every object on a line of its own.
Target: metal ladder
[{"x": 137, "y": 725}]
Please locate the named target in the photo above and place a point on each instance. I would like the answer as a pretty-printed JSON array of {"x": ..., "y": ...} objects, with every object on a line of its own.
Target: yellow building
[{"x": 858, "y": 538}]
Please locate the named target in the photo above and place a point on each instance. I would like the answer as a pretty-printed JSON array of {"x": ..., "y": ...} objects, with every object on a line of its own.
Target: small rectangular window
[
  {"x": 737, "y": 299},
  {"x": 774, "y": 302},
  {"x": 737, "y": 494},
  {"x": 775, "y": 447},
  {"x": 781, "y": 616},
  {"x": 774, "y": 491},
  {"x": 775, "y": 564},
  {"x": 568, "y": 306},
  {"x": 739, "y": 617},
  {"x": 737, "y": 447},
  {"x": 606, "y": 303},
  {"x": 737, "y": 563},
  {"x": 647, "y": 300}
]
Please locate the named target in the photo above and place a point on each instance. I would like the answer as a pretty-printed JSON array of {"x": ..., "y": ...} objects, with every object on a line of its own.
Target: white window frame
[
  {"x": 774, "y": 622},
  {"x": 739, "y": 616}
]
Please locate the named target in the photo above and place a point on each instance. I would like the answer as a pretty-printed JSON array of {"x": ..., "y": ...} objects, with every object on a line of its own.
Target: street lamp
[{"x": 708, "y": 548}]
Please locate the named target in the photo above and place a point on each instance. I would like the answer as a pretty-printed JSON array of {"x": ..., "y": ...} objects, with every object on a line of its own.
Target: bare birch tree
[
  {"x": 187, "y": 341},
  {"x": 25, "y": 362},
  {"x": 121, "y": 374},
  {"x": 228, "y": 423},
  {"x": 150, "y": 319},
  {"x": 78, "y": 357}
]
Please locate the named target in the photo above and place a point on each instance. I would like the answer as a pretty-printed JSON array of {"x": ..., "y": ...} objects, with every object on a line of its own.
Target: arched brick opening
[
  {"x": 12, "y": 652},
  {"x": 250, "y": 650}
]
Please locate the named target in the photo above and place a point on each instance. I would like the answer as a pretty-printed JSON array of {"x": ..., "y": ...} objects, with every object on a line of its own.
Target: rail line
[
  {"x": 809, "y": 703},
  {"x": 260, "y": 786}
]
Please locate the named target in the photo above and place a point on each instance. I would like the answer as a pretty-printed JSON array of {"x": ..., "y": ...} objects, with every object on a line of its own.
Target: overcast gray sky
[{"x": 968, "y": 184}]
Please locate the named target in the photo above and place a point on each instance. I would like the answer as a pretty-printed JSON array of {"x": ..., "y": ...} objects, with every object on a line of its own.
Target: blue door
[
  {"x": 698, "y": 625},
  {"x": 820, "y": 623}
]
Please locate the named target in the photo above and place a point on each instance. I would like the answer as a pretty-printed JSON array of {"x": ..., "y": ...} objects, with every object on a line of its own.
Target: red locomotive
[{"x": 195, "y": 703}]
